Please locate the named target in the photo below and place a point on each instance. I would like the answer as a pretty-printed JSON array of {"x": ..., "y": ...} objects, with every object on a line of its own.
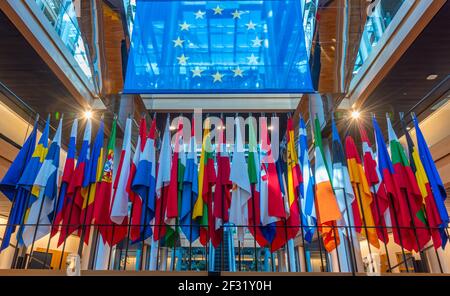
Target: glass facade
[
  {"x": 227, "y": 47},
  {"x": 62, "y": 16}
]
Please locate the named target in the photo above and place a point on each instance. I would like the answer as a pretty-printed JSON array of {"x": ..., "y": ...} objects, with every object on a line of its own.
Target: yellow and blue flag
[{"x": 8, "y": 185}]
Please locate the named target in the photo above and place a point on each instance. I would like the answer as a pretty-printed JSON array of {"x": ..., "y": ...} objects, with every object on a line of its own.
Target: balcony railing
[
  {"x": 376, "y": 25},
  {"x": 62, "y": 16}
]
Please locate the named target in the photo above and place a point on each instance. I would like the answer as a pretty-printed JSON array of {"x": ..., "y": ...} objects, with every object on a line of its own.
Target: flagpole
[
  {"x": 350, "y": 233},
  {"x": 20, "y": 230},
  {"x": 302, "y": 233},
  {"x": 422, "y": 256},
  {"x": 111, "y": 246},
  {"x": 384, "y": 237},
  {"x": 190, "y": 230},
  {"x": 41, "y": 206},
  {"x": 16, "y": 248},
  {"x": 435, "y": 250},
  {"x": 159, "y": 225},
  {"x": 144, "y": 226},
  {"x": 95, "y": 245},
  {"x": 8, "y": 224},
  {"x": 254, "y": 226},
  {"x": 47, "y": 250},
  {"x": 336, "y": 233},
  {"x": 365, "y": 225},
  {"x": 83, "y": 226},
  {"x": 128, "y": 235},
  {"x": 239, "y": 254},
  {"x": 319, "y": 241},
  {"x": 222, "y": 251},
  {"x": 222, "y": 255},
  {"x": 423, "y": 206},
  {"x": 67, "y": 226}
]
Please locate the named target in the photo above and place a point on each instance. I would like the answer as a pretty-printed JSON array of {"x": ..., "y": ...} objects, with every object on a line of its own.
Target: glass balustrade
[
  {"x": 376, "y": 25},
  {"x": 62, "y": 16}
]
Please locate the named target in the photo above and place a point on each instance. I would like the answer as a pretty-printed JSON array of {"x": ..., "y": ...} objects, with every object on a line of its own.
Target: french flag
[{"x": 144, "y": 184}]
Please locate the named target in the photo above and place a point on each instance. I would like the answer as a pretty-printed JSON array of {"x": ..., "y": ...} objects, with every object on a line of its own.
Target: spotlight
[
  {"x": 270, "y": 128},
  {"x": 355, "y": 114},
  {"x": 172, "y": 128},
  {"x": 88, "y": 114}
]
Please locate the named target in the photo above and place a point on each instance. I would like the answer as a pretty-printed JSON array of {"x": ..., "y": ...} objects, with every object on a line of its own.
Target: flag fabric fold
[
  {"x": 308, "y": 211},
  {"x": 342, "y": 185},
  {"x": 69, "y": 166},
  {"x": 294, "y": 179},
  {"x": 206, "y": 180},
  {"x": 272, "y": 207},
  {"x": 134, "y": 198},
  {"x": 254, "y": 173},
  {"x": 28, "y": 177},
  {"x": 44, "y": 189},
  {"x": 362, "y": 205},
  {"x": 222, "y": 189},
  {"x": 94, "y": 177},
  {"x": 162, "y": 183},
  {"x": 429, "y": 208},
  {"x": 241, "y": 192},
  {"x": 177, "y": 168},
  {"x": 437, "y": 187},
  {"x": 74, "y": 199},
  {"x": 398, "y": 209},
  {"x": 189, "y": 226},
  {"x": 380, "y": 202},
  {"x": 144, "y": 183},
  {"x": 103, "y": 194},
  {"x": 410, "y": 197},
  {"x": 15, "y": 194},
  {"x": 119, "y": 205},
  {"x": 327, "y": 208}
]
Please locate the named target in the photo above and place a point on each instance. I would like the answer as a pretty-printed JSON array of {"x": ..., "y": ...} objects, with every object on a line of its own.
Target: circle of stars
[{"x": 217, "y": 77}]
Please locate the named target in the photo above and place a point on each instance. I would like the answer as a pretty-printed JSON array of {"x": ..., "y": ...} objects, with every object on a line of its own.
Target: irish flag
[{"x": 327, "y": 209}]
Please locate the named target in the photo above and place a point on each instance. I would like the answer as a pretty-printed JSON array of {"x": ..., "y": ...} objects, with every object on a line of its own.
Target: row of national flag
[{"x": 183, "y": 192}]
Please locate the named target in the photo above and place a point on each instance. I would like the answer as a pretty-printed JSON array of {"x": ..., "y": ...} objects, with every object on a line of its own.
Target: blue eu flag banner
[{"x": 218, "y": 46}]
